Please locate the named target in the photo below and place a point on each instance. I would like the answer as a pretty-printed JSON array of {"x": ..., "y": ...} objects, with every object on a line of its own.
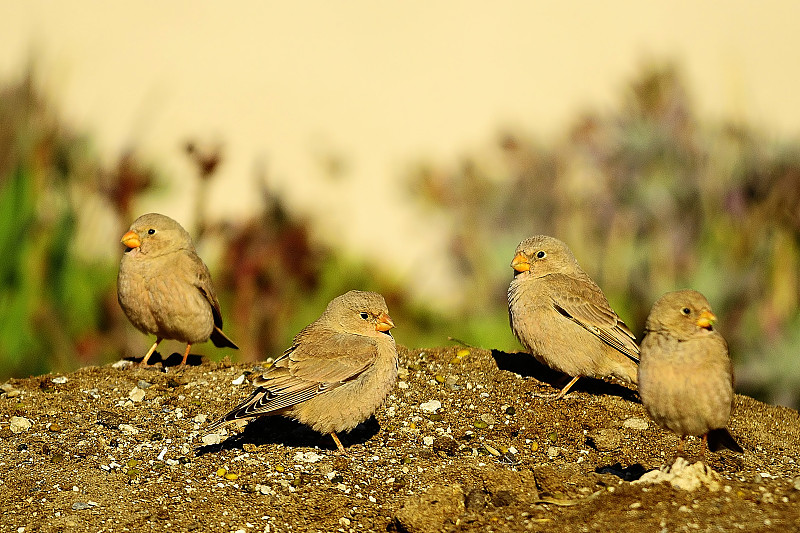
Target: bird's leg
[
  {"x": 703, "y": 447},
  {"x": 186, "y": 354},
  {"x": 564, "y": 391},
  {"x": 150, "y": 352},
  {"x": 681, "y": 444},
  {"x": 338, "y": 442}
]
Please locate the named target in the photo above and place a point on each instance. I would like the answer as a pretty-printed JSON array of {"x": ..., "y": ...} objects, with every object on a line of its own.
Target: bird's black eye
[
  {"x": 363, "y": 315},
  {"x": 686, "y": 311},
  {"x": 151, "y": 231},
  {"x": 540, "y": 254}
]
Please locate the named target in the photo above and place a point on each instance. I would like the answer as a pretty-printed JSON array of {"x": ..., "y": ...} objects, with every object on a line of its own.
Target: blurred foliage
[{"x": 648, "y": 198}]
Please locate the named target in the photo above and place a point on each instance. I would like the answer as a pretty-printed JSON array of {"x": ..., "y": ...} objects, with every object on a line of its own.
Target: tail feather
[{"x": 221, "y": 340}]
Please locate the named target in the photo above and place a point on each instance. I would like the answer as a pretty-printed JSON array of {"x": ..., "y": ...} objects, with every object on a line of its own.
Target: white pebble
[
  {"x": 211, "y": 439},
  {"x": 18, "y": 424},
  {"x": 128, "y": 429},
  {"x": 59, "y": 380},
  {"x": 402, "y": 385},
  {"x": 636, "y": 423},
  {"x": 307, "y": 457},
  {"x": 238, "y": 381},
  {"x": 431, "y": 406},
  {"x": 427, "y": 441},
  {"x": 136, "y": 395}
]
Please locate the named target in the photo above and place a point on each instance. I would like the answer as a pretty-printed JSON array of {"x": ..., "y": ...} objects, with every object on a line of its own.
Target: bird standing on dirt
[
  {"x": 165, "y": 289},
  {"x": 337, "y": 372},
  {"x": 685, "y": 376},
  {"x": 562, "y": 317}
]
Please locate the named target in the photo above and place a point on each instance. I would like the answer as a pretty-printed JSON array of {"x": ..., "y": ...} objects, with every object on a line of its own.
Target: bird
[
  {"x": 336, "y": 373},
  {"x": 685, "y": 374},
  {"x": 164, "y": 287},
  {"x": 563, "y": 318}
]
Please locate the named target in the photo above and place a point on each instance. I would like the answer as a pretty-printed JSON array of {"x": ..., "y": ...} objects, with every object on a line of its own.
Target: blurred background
[{"x": 311, "y": 148}]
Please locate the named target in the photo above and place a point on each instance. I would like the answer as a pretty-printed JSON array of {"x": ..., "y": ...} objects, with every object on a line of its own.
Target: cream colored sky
[{"x": 383, "y": 84}]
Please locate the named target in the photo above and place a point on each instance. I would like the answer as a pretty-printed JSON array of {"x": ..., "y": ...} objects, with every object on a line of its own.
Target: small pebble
[
  {"x": 238, "y": 381},
  {"x": 136, "y": 395},
  {"x": 480, "y": 424},
  {"x": 636, "y": 423},
  {"x": 108, "y": 419},
  {"x": 59, "y": 380},
  {"x": 553, "y": 451},
  {"x": 492, "y": 450},
  {"x": 489, "y": 419},
  {"x": 604, "y": 440},
  {"x": 445, "y": 445},
  {"x": 402, "y": 385},
  {"x": 221, "y": 472},
  {"x": 462, "y": 353},
  {"x": 122, "y": 364},
  {"x": 307, "y": 457},
  {"x": 77, "y": 506},
  {"x": 427, "y": 441},
  {"x": 797, "y": 483},
  {"x": 211, "y": 439},
  {"x": 142, "y": 384},
  {"x": 431, "y": 406},
  {"x": 128, "y": 429},
  {"x": 18, "y": 424}
]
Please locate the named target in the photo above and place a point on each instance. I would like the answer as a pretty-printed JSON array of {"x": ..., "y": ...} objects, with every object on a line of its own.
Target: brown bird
[
  {"x": 685, "y": 376},
  {"x": 165, "y": 289},
  {"x": 562, "y": 317},
  {"x": 337, "y": 372}
]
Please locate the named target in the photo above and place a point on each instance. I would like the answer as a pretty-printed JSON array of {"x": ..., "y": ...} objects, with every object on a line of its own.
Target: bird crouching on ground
[{"x": 337, "y": 372}]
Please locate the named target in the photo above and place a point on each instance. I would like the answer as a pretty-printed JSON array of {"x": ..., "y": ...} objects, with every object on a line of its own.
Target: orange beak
[
  {"x": 131, "y": 240},
  {"x": 706, "y": 319},
  {"x": 384, "y": 323},
  {"x": 520, "y": 263}
]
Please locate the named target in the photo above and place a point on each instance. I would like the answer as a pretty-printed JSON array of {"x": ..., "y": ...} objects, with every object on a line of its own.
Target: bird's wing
[
  {"x": 319, "y": 360},
  {"x": 585, "y": 304},
  {"x": 201, "y": 279},
  {"x": 324, "y": 355}
]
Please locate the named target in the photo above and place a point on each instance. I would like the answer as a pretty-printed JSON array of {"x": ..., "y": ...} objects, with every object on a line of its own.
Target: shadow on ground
[
  {"x": 290, "y": 433},
  {"x": 526, "y": 365}
]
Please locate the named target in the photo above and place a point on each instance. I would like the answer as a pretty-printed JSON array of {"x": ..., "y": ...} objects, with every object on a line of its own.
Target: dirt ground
[{"x": 468, "y": 440}]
